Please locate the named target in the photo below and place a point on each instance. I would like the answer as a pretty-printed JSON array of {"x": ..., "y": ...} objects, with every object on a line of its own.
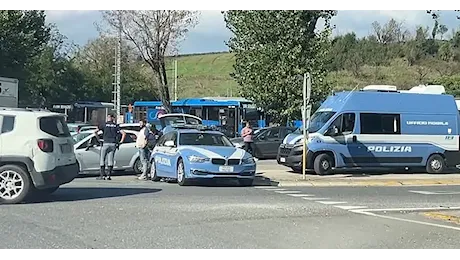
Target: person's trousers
[
  {"x": 144, "y": 157},
  {"x": 249, "y": 147},
  {"x": 107, "y": 153}
]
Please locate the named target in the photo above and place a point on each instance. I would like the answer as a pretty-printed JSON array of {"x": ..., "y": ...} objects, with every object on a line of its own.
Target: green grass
[{"x": 203, "y": 75}]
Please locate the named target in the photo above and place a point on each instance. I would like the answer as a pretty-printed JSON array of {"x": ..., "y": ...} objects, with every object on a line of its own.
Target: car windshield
[
  {"x": 210, "y": 139},
  {"x": 168, "y": 120},
  {"x": 317, "y": 121},
  {"x": 80, "y": 136}
]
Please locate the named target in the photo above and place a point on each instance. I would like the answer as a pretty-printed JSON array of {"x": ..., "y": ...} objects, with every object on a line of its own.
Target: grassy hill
[
  {"x": 209, "y": 75},
  {"x": 203, "y": 75}
]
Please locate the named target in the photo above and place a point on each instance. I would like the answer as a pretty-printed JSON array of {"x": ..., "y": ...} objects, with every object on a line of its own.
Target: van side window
[
  {"x": 345, "y": 123},
  {"x": 380, "y": 123}
]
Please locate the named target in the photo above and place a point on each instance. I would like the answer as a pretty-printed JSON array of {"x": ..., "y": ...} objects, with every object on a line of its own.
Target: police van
[{"x": 380, "y": 127}]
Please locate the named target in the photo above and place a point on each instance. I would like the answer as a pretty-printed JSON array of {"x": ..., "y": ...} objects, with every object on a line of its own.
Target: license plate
[
  {"x": 66, "y": 148},
  {"x": 226, "y": 169},
  {"x": 282, "y": 159}
]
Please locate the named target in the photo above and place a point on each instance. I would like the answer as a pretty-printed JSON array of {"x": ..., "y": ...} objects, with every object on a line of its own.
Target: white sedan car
[{"x": 87, "y": 151}]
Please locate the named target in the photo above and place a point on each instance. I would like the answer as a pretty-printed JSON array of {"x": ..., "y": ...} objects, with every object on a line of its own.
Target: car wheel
[
  {"x": 296, "y": 169},
  {"x": 323, "y": 164},
  {"x": 181, "y": 180},
  {"x": 153, "y": 172},
  {"x": 246, "y": 182},
  {"x": 137, "y": 166},
  {"x": 435, "y": 164},
  {"x": 14, "y": 184}
]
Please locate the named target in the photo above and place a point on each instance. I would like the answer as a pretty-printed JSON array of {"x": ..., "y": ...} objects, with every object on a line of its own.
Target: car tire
[
  {"x": 153, "y": 172},
  {"x": 8, "y": 173},
  {"x": 323, "y": 164},
  {"x": 435, "y": 164},
  {"x": 296, "y": 169},
  {"x": 137, "y": 166},
  {"x": 181, "y": 180},
  {"x": 246, "y": 182}
]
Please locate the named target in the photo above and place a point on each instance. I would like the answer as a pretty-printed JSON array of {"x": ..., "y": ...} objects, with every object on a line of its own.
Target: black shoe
[
  {"x": 100, "y": 178},
  {"x": 108, "y": 178}
]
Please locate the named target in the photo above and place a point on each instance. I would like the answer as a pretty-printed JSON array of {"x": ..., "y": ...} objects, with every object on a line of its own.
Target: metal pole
[
  {"x": 304, "y": 123},
  {"x": 175, "y": 80},
  {"x": 118, "y": 107}
]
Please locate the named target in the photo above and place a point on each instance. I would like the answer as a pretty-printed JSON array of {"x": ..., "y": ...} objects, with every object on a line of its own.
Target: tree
[
  {"x": 271, "y": 56},
  {"x": 23, "y": 35},
  {"x": 155, "y": 33},
  {"x": 443, "y": 30},
  {"x": 392, "y": 32}
]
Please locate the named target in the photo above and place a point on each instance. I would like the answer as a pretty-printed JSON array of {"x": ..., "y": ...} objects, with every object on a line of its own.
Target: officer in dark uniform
[{"x": 111, "y": 142}]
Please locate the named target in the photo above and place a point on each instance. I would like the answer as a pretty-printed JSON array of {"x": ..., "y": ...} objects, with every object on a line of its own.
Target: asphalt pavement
[{"x": 126, "y": 213}]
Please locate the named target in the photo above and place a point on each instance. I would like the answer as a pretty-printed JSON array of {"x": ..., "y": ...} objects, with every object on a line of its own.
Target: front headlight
[
  {"x": 249, "y": 160},
  {"x": 197, "y": 159}
]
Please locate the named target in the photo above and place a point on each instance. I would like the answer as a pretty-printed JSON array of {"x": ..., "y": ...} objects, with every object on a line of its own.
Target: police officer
[{"x": 110, "y": 135}]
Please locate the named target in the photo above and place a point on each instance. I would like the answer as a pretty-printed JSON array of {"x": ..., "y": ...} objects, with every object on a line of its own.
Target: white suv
[{"x": 36, "y": 153}]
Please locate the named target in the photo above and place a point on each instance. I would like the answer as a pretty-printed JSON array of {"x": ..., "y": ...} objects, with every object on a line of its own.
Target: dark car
[{"x": 266, "y": 141}]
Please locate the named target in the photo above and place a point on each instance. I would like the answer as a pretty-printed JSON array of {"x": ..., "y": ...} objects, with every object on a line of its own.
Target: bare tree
[
  {"x": 155, "y": 34},
  {"x": 392, "y": 32}
]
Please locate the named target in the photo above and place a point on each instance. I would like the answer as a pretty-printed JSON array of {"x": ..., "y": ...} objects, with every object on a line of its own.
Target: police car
[{"x": 198, "y": 152}]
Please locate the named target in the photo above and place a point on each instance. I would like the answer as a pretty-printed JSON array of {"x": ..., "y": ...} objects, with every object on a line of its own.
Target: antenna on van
[{"x": 352, "y": 91}]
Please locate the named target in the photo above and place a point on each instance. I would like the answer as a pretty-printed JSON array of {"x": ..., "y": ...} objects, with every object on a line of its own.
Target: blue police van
[{"x": 379, "y": 129}]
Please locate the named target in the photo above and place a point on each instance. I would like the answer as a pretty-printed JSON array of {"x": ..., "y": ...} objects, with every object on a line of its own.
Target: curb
[
  {"x": 373, "y": 183},
  {"x": 442, "y": 216}
]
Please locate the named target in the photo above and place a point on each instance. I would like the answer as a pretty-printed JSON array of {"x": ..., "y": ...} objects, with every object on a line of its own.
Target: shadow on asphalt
[
  {"x": 90, "y": 193},
  {"x": 114, "y": 174}
]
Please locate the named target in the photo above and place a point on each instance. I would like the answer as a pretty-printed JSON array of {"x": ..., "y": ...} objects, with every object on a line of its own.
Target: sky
[{"x": 211, "y": 34}]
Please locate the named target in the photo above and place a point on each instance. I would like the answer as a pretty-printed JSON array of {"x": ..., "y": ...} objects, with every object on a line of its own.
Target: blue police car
[{"x": 198, "y": 152}]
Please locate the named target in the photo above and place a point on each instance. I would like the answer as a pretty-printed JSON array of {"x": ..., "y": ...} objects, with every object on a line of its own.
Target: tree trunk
[{"x": 167, "y": 98}]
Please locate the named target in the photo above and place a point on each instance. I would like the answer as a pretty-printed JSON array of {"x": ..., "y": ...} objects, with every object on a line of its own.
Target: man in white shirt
[{"x": 142, "y": 145}]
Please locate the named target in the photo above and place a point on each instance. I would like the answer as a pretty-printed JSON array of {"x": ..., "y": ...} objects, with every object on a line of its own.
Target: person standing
[
  {"x": 142, "y": 142},
  {"x": 110, "y": 135},
  {"x": 248, "y": 134}
]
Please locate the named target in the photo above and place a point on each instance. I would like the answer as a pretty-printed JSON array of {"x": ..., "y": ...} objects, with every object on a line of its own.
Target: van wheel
[
  {"x": 323, "y": 164},
  {"x": 435, "y": 164},
  {"x": 14, "y": 184}
]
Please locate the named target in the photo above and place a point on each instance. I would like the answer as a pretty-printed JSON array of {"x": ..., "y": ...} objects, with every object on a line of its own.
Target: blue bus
[
  {"x": 226, "y": 113},
  {"x": 379, "y": 129}
]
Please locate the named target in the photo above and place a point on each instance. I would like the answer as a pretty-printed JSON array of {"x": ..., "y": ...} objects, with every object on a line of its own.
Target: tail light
[{"x": 46, "y": 145}]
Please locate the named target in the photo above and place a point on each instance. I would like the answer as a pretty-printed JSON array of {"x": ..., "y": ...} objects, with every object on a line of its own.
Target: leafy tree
[
  {"x": 23, "y": 35},
  {"x": 443, "y": 30},
  {"x": 155, "y": 33},
  {"x": 271, "y": 56}
]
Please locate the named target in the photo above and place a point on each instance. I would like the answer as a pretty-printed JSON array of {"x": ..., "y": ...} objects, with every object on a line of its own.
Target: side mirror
[{"x": 169, "y": 143}]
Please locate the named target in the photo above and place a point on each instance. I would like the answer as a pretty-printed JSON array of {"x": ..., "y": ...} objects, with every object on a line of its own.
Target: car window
[
  {"x": 78, "y": 137},
  {"x": 8, "y": 124},
  {"x": 130, "y": 138},
  {"x": 55, "y": 126},
  {"x": 288, "y": 131},
  {"x": 209, "y": 139},
  {"x": 164, "y": 138}
]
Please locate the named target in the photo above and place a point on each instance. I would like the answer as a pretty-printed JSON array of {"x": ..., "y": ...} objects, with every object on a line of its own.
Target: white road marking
[
  {"x": 350, "y": 207},
  {"x": 287, "y": 191},
  {"x": 301, "y": 195},
  {"x": 266, "y": 187},
  {"x": 276, "y": 189},
  {"x": 435, "y": 192},
  {"x": 332, "y": 202},
  {"x": 405, "y": 209},
  {"x": 315, "y": 198},
  {"x": 406, "y": 220}
]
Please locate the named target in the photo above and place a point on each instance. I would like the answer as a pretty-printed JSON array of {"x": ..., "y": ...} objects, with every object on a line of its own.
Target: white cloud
[
  {"x": 211, "y": 32},
  {"x": 59, "y": 15}
]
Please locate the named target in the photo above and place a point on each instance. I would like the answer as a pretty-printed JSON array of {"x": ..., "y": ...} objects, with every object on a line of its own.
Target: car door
[
  {"x": 342, "y": 141},
  {"x": 88, "y": 157},
  {"x": 169, "y": 154},
  {"x": 267, "y": 142},
  {"x": 124, "y": 155},
  {"x": 161, "y": 157}
]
